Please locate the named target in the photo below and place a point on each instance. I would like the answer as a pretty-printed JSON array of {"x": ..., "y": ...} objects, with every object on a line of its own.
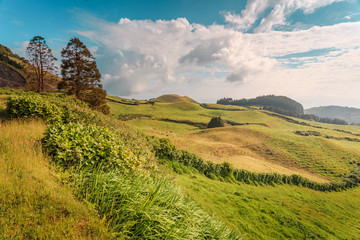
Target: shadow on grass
[{"x": 4, "y": 115}]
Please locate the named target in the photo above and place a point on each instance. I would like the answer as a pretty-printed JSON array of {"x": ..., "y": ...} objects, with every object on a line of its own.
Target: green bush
[
  {"x": 89, "y": 146},
  {"x": 216, "y": 122},
  {"x": 31, "y": 105}
]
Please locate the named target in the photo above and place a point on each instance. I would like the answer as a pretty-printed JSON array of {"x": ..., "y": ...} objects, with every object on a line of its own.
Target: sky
[{"x": 308, "y": 50}]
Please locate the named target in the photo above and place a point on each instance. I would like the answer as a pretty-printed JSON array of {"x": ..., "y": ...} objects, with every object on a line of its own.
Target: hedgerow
[{"x": 165, "y": 150}]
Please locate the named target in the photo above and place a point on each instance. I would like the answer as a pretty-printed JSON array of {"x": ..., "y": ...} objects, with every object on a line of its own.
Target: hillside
[
  {"x": 78, "y": 174},
  {"x": 261, "y": 142},
  {"x": 288, "y": 179},
  {"x": 15, "y": 72},
  {"x": 174, "y": 98},
  {"x": 279, "y": 104},
  {"x": 350, "y": 115}
]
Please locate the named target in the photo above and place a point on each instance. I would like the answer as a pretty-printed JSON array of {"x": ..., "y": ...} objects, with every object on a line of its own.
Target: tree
[
  {"x": 80, "y": 75},
  {"x": 41, "y": 60},
  {"x": 216, "y": 122}
]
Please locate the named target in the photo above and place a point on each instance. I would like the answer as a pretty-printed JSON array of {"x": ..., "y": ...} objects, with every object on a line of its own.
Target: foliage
[
  {"x": 30, "y": 105},
  {"x": 53, "y": 108},
  {"x": 41, "y": 60},
  {"x": 81, "y": 76},
  {"x": 216, "y": 122},
  {"x": 82, "y": 146},
  {"x": 276, "y": 102}
]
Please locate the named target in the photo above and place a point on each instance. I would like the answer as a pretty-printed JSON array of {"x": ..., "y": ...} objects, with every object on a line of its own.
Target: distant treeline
[
  {"x": 275, "y": 103},
  {"x": 282, "y": 105},
  {"x": 4, "y": 57}
]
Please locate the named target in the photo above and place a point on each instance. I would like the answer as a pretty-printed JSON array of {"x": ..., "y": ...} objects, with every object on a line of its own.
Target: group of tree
[
  {"x": 80, "y": 75},
  {"x": 280, "y": 104}
]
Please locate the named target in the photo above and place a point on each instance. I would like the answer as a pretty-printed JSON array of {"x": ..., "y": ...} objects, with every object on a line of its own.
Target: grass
[
  {"x": 273, "y": 147},
  {"x": 34, "y": 203},
  {"x": 132, "y": 205},
  {"x": 281, "y": 212}
]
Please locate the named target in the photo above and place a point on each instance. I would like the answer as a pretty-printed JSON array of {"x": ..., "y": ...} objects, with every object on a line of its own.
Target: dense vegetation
[
  {"x": 216, "y": 122},
  {"x": 280, "y": 104}
]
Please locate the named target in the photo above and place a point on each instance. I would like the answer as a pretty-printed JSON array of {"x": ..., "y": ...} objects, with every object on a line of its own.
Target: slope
[
  {"x": 15, "y": 72},
  {"x": 258, "y": 142},
  {"x": 350, "y": 115}
]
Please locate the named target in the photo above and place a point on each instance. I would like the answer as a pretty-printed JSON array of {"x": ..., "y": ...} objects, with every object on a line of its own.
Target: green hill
[
  {"x": 174, "y": 98},
  {"x": 262, "y": 176},
  {"x": 262, "y": 142},
  {"x": 15, "y": 72},
  {"x": 348, "y": 114}
]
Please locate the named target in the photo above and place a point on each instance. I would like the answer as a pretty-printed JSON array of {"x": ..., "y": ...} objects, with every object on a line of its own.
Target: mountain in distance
[
  {"x": 349, "y": 114},
  {"x": 15, "y": 72}
]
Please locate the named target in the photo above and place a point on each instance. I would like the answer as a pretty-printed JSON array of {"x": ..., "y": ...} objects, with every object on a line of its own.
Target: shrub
[
  {"x": 31, "y": 105},
  {"x": 89, "y": 146},
  {"x": 216, "y": 122}
]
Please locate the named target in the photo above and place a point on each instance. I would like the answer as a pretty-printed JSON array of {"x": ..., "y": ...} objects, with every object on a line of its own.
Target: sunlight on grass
[{"x": 34, "y": 204}]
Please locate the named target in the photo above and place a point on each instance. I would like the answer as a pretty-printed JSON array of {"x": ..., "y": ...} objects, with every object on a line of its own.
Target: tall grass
[
  {"x": 145, "y": 208},
  {"x": 34, "y": 204}
]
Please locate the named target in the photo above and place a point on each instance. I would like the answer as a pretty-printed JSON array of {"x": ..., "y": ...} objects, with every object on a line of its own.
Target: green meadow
[
  {"x": 53, "y": 188},
  {"x": 263, "y": 143}
]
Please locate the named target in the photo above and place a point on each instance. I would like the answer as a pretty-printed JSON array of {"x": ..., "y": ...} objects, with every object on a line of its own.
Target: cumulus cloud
[
  {"x": 137, "y": 56},
  {"x": 140, "y": 55},
  {"x": 280, "y": 11}
]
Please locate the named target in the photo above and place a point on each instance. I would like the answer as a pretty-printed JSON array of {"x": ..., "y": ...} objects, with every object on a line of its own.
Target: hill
[
  {"x": 72, "y": 173},
  {"x": 15, "y": 72},
  {"x": 266, "y": 144},
  {"x": 265, "y": 175},
  {"x": 348, "y": 114},
  {"x": 279, "y": 104},
  {"x": 174, "y": 98}
]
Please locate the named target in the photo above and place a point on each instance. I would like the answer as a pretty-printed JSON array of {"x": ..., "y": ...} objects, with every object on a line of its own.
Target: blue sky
[{"x": 305, "y": 49}]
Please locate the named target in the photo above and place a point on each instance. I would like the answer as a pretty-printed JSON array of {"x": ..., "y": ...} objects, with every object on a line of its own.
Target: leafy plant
[{"x": 81, "y": 146}]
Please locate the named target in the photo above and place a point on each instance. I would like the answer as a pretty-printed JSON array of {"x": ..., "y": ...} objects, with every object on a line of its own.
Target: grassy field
[
  {"x": 280, "y": 212},
  {"x": 263, "y": 144},
  {"x": 264, "y": 212}
]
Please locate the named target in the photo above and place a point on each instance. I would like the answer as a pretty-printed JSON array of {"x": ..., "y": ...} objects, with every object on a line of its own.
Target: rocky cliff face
[{"x": 10, "y": 78}]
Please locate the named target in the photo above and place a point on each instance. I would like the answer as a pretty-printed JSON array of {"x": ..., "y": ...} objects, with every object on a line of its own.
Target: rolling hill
[
  {"x": 287, "y": 178},
  {"x": 174, "y": 98},
  {"x": 350, "y": 115},
  {"x": 15, "y": 72},
  {"x": 262, "y": 142}
]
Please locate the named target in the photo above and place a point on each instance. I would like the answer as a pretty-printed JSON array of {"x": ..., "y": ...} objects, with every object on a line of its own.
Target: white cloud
[
  {"x": 280, "y": 11},
  {"x": 143, "y": 56}
]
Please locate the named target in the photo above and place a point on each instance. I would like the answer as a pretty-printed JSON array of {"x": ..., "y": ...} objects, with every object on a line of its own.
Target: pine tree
[
  {"x": 41, "y": 60},
  {"x": 80, "y": 75}
]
